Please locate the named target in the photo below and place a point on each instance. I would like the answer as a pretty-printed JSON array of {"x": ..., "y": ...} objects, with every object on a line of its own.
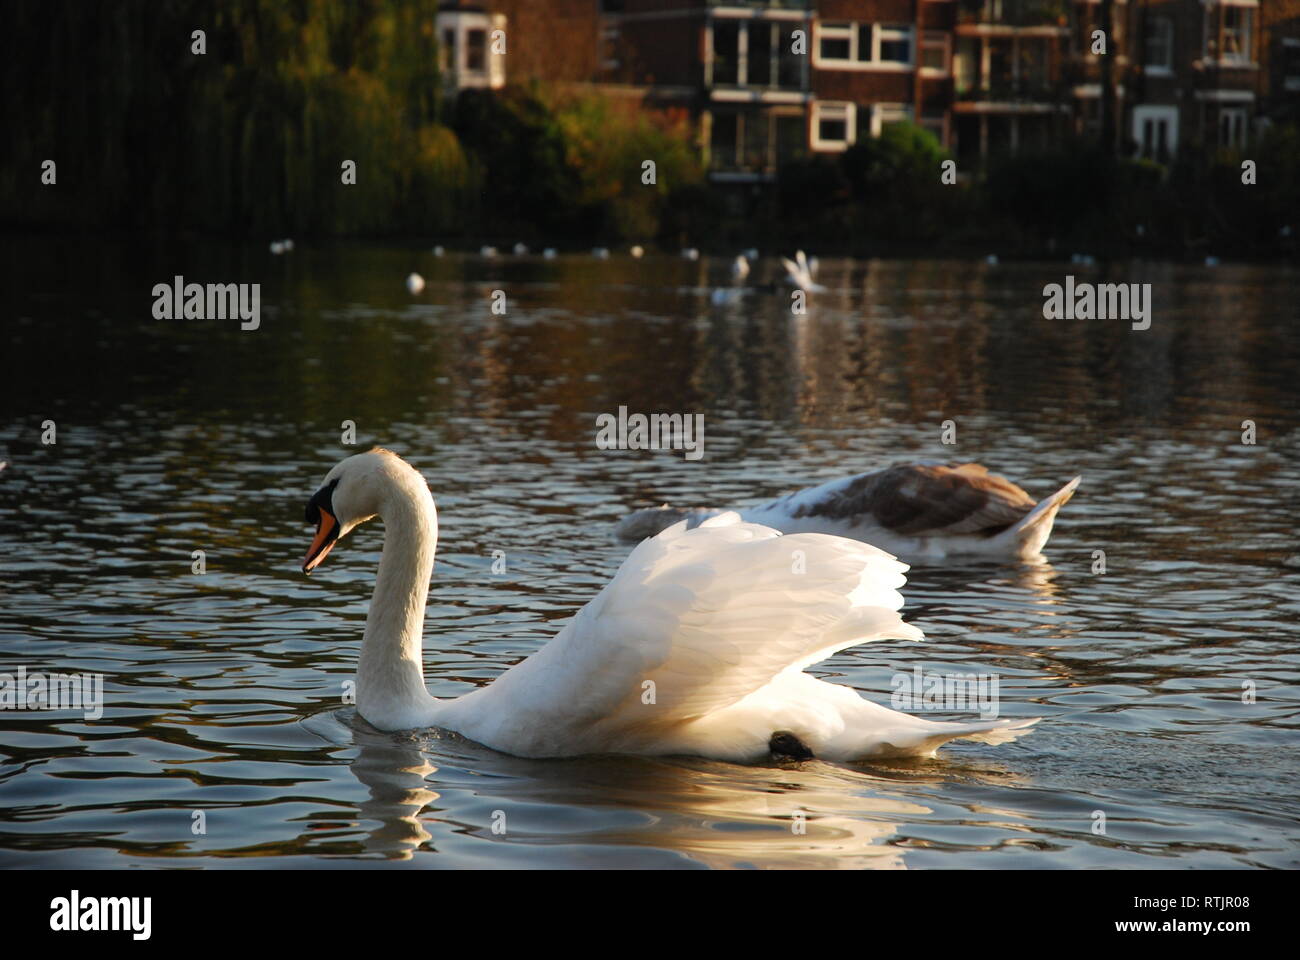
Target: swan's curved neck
[{"x": 390, "y": 676}]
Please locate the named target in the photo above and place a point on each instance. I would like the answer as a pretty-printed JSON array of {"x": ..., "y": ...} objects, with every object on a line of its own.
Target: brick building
[{"x": 767, "y": 81}]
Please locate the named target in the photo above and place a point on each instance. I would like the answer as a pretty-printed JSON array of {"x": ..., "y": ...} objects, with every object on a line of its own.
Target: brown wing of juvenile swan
[{"x": 915, "y": 499}]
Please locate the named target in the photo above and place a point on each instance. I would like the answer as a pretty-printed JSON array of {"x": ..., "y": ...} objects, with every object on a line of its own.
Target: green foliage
[
  {"x": 607, "y": 146},
  {"x": 570, "y": 166},
  {"x": 1077, "y": 198},
  {"x": 884, "y": 189}
]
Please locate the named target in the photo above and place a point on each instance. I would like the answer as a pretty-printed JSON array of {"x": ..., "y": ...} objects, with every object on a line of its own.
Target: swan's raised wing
[{"x": 693, "y": 621}]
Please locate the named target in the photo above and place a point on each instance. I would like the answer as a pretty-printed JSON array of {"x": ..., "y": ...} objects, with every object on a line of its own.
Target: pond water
[{"x": 224, "y": 741}]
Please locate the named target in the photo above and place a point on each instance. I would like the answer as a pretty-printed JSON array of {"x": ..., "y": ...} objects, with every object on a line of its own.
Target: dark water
[{"x": 222, "y": 690}]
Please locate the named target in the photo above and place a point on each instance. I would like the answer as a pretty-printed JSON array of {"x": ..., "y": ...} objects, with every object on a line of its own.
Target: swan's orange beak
[{"x": 326, "y": 535}]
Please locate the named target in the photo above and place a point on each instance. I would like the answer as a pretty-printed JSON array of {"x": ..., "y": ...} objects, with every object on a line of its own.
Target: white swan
[
  {"x": 697, "y": 646},
  {"x": 923, "y": 512},
  {"x": 801, "y": 271}
]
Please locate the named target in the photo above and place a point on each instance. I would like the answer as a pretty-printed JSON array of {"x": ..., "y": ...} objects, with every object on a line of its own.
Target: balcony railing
[
  {"x": 1019, "y": 91},
  {"x": 764, "y": 4},
  {"x": 1014, "y": 13}
]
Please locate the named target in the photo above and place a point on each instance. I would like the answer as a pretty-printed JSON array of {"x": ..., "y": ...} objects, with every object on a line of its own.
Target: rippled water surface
[{"x": 223, "y": 690}]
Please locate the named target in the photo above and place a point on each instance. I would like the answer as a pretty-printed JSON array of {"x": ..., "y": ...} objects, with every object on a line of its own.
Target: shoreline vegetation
[{"x": 248, "y": 140}]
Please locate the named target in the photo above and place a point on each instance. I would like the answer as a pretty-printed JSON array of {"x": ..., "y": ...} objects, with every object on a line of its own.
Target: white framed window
[
  {"x": 1232, "y": 126},
  {"x": 856, "y": 45},
  {"x": 1160, "y": 45},
  {"x": 1156, "y": 131},
  {"x": 465, "y": 53},
  {"x": 1229, "y": 31},
  {"x": 936, "y": 53},
  {"x": 837, "y": 42},
  {"x": 833, "y": 126},
  {"x": 893, "y": 45}
]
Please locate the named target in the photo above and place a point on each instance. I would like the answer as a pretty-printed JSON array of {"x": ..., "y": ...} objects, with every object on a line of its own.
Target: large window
[
  {"x": 754, "y": 53},
  {"x": 1236, "y": 33},
  {"x": 1228, "y": 32},
  {"x": 858, "y": 45},
  {"x": 1160, "y": 45},
  {"x": 756, "y": 141}
]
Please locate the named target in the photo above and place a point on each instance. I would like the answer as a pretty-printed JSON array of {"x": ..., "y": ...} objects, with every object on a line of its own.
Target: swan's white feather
[{"x": 717, "y": 626}]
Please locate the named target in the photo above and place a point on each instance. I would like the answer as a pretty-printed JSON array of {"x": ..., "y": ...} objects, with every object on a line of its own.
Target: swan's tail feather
[
  {"x": 1032, "y": 532},
  {"x": 990, "y": 731}
]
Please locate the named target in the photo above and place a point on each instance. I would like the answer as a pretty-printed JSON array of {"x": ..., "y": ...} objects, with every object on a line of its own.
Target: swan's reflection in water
[
  {"x": 397, "y": 775},
  {"x": 724, "y": 816}
]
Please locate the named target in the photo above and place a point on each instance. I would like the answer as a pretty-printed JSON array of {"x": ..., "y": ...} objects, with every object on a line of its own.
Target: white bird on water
[
  {"x": 414, "y": 283},
  {"x": 801, "y": 271},
  {"x": 922, "y": 512},
  {"x": 713, "y": 620}
]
